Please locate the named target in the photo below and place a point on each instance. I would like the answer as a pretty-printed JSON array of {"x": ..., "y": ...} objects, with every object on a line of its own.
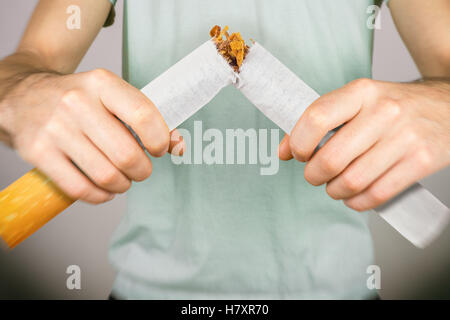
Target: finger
[
  {"x": 136, "y": 110},
  {"x": 370, "y": 166},
  {"x": 110, "y": 136},
  {"x": 92, "y": 161},
  {"x": 326, "y": 113},
  {"x": 177, "y": 144},
  {"x": 284, "y": 151},
  {"x": 69, "y": 179},
  {"x": 352, "y": 140},
  {"x": 399, "y": 177}
]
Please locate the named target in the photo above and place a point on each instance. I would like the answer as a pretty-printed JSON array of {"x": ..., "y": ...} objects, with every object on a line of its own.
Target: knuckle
[
  {"x": 143, "y": 114},
  {"x": 144, "y": 174},
  {"x": 424, "y": 158},
  {"x": 127, "y": 159},
  {"x": 329, "y": 165},
  {"x": 125, "y": 186},
  {"x": 71, "y": 99},
  {"x": 54, "y": 128},
  {"x": 379, "y": 195},
  {"x": 351, "y": 183},
  {"x": 363, "y": 84},
  {"x": 332, "y": 193},
  {"x": 410, "y": 136},
  {"x": 316, "y": 118},
  {"x": 101, "y": 75},
  {"x": 38, "y": 147},
  {"x": 311, "y": 176},
  {"x": 79, "y": 191},
  {"x": 107, "y": 178},
  {"x": 297, "y": 150},
  {"x": 389, "y": 109}
]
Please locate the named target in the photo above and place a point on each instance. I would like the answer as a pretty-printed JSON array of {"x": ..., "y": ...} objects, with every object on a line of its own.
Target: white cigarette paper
[
  {"x": 274, "y": 89},
  {"x": 283, "y": 97},
  {"x": 191, "y": 83}
]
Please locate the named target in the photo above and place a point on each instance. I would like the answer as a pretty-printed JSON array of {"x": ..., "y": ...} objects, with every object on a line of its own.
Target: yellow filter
[{"x": 27, "y": 204}]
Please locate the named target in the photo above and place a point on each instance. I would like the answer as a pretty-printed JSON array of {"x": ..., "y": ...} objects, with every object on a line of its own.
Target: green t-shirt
[{"x": 224, "y": 231}]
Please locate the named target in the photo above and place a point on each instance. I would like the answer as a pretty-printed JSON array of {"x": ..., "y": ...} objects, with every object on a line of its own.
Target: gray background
[{"x": 36, "y": 268}]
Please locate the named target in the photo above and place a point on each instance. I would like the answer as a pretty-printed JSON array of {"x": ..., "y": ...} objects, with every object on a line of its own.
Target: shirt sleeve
[{"x": 112, "y": 14}]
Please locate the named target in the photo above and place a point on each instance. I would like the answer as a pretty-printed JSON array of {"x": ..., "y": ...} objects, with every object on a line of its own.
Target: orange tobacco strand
[{"x": 232, "y": 48}]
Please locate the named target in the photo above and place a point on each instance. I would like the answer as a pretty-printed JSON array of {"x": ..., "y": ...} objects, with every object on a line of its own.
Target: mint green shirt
[{"x": 224, "y": 231}]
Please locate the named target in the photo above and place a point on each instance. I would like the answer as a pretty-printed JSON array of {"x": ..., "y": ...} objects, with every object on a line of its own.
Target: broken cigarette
[{"x": 186, "y": 87}]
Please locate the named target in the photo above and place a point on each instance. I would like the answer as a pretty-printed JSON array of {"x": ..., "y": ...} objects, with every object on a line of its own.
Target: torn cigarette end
[{"x": 232, "y": 48}]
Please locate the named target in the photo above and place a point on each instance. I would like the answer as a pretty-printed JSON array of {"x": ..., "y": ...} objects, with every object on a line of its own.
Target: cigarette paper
[
  {"x": 190, "y": 84},
  {"x": 283, "y": 97},
  {"x": 273, "y": 88},
  {"x": 416, "y": 214}
]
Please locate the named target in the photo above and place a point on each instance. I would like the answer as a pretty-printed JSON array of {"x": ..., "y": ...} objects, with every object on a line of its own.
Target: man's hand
[
  {"x": 66, "y": 123},
  {"x": 393, "y": 135}
]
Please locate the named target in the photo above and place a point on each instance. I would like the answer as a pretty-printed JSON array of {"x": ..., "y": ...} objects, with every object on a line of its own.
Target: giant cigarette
[{"x": 181, "y": 91}]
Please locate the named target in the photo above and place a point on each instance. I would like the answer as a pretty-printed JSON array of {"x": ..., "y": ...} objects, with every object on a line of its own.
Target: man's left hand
[{"x": 393, "y": 135}]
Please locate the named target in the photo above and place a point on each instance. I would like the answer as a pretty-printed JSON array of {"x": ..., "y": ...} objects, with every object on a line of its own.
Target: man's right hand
[{"x": 66, "y": 126}]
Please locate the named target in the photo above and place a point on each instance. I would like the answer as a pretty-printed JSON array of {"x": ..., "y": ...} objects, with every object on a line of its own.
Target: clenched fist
[
  {"x": 68, "y": 126},
  {"x": 393, "y": 134}
]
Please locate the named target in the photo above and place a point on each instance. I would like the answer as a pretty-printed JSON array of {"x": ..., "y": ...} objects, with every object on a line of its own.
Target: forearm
[
  {"x": 39, "y": 54},
  {"x": 407, "y": 139},
  {"x": 436, "y": 81},
  {"x": 423, "y": 26}
]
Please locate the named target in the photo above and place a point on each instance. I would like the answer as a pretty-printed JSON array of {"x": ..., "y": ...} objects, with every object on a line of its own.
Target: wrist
[
  {"x": 438, "y": 82},
  {"x": 13, "y": 92}
]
